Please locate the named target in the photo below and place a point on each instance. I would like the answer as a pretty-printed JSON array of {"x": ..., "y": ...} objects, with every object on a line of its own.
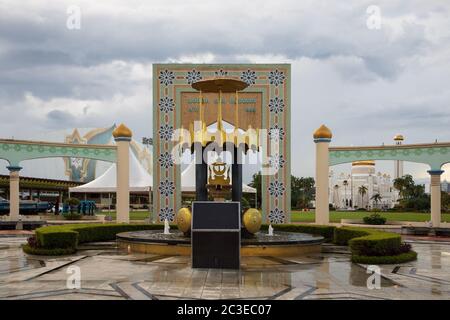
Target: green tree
[
  {"x": 362, "y": 190},
  {"x": 257, "y": 183},
  {"x": 405, "y": 185},
  {"x": 412, "y": 196},
  {"x": 302, "y": 191},
  {"x": 445, "y": 201},
  {"x": 377, "y": 198}
]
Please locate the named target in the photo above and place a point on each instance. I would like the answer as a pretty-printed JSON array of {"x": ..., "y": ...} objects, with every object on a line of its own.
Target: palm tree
[
  {"x": 376, "y": 197},
  {"x": 362, "y": 190},
  {"x": 345, "y": 183}
]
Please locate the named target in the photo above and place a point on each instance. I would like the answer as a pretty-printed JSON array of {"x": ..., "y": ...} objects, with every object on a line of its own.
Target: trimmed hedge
[
  {"x": 69, "y": 236},
  {"x": 50, "y": 238},
  {"x": 344, "y": 234},
  {"x": 368, "y": 242},
  {"x": 374, "y": 246},
  {"x": 47, "y": 252},
  {"x": 325, "y": 231},
  {"x": 399, "y": 258}
]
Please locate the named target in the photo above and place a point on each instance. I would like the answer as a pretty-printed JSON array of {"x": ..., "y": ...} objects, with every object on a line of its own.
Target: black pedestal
[
  {"x": 216, "y": 235},
  {"x": 236, "y": 173},
  {"x": 201, "y": 174}
]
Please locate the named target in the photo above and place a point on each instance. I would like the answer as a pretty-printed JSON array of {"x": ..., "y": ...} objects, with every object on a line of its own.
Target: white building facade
[{"x": 362, "y": 188}]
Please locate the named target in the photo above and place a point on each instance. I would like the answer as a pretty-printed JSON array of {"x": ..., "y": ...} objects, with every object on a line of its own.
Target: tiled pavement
[{"x": 107, "y": 273}]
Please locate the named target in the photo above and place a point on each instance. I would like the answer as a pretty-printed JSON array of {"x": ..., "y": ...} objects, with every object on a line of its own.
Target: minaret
[{"x": 398, "y": 164}]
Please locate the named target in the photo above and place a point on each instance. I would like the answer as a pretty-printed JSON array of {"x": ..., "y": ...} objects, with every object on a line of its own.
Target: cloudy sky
[{"x": 366, "y": 84}]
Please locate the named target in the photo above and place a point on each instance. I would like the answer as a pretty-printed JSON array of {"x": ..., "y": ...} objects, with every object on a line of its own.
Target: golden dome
[
  {"x": 184, "y": 217},
  {"x": 363, "y": 163},
  {"x": 399, "y": 137},
  {"x": 122, "y": 132},
  {"x": 323, "y": 132},
  {"x": 252, "y": 220}
]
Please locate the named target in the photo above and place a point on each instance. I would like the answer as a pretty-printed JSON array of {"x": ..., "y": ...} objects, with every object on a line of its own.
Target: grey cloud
[{"x": 366, "y": 85}]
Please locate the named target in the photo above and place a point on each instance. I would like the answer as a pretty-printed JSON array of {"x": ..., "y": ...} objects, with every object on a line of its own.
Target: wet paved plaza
[{"x": 109, "y": 273}]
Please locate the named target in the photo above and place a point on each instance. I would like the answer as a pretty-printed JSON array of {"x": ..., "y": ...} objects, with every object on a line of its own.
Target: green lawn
[
  {"x": 336, "y": 216},
  {"x": 134, "y": 215}
]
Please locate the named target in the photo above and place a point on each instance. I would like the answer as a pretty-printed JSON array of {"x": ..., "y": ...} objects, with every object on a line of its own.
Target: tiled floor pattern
[{"x": 107, "y": 273}]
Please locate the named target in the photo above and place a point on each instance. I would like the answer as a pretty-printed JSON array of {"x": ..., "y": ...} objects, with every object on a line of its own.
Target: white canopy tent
[{"x": 140, "y": 180}]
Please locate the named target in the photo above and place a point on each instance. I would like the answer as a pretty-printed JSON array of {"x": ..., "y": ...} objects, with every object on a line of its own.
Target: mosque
[{"x": 363, "y": 187}]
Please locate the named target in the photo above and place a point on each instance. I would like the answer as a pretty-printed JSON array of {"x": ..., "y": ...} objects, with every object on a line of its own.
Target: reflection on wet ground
[{"x": 110, "y": 273}]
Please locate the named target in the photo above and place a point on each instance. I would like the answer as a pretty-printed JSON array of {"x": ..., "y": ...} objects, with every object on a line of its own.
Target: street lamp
[{"x": 147, "y": 142}]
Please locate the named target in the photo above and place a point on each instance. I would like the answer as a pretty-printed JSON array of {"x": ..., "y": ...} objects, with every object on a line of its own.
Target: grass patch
[
  {"x": 134, "y": 215},
  {"x": 336, "y": 216}
]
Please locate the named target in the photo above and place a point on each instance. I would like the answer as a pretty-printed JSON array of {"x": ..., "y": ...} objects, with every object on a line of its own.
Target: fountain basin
[{"x": 175, "y": 243}]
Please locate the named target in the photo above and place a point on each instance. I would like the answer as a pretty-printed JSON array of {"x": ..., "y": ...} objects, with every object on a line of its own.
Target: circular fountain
[{"x": 261, "y": 244}]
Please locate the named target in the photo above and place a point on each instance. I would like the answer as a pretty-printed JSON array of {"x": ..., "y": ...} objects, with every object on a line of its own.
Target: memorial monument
[{"x": 216, "y": 233}]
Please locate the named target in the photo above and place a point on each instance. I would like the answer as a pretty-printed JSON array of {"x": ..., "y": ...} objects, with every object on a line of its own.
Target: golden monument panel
[{"x": 249, "y": 104}]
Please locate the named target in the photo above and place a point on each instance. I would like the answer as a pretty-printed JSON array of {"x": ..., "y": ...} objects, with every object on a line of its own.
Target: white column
[
  {"x": 435, "y": 190},
  {"x": 123, "y": 180},
  {"x": 14, "y": 197},
  {"x": 122, "y": 135},
  {"x": 322, "y": 183}
]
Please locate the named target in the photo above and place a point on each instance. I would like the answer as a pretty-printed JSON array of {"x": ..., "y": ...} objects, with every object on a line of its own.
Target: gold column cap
[
  {"x": 122, "y": 131},
  {"x": 323, "y": 133}
]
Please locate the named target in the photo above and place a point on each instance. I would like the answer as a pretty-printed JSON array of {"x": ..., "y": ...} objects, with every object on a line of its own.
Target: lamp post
[{"x": 147, "y": 142}]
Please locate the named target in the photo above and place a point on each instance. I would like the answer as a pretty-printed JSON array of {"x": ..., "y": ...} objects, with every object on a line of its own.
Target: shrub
[
  {"x": 376, "y": 244},
  {"x": 52, "y": 237},
  {"x": 343, "y": 235},
  {"x": 72, "y": 216},
  {"x": 69, "y": 236},
  {"x": 107, "y": 232},
  {"x": 47, "y": 252},
  {"x": 72, "y": 201},
  {"x": 73, "y": 205},
  {"x": 375, "y": 219},
  {"x": 325, "y": 231},
  {"x": 400, "y": 258},
  {"x": 32, "y": 242}
]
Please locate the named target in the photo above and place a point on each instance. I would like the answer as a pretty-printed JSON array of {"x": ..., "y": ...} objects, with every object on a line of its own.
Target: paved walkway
[{"x": 108, "y": 273}]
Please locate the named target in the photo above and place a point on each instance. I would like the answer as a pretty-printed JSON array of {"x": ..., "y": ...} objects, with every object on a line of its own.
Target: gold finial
[
  {"x": 122, "y": 132},
  {"x": 323, "y": 132},
  {"x": 399, "y": 137}
]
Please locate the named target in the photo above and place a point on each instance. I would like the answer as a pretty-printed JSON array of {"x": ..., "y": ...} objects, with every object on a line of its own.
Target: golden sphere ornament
[
  {"x": 184, "y": 218},
  {"x": 252, "y": 220}
]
